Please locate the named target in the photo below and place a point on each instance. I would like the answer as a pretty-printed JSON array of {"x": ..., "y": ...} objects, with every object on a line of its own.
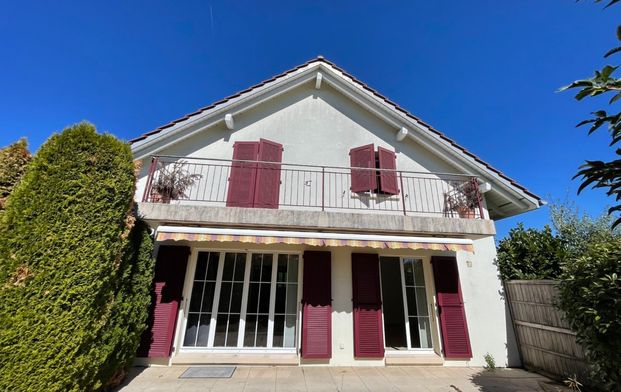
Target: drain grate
[{"x": 208, "y": 372}]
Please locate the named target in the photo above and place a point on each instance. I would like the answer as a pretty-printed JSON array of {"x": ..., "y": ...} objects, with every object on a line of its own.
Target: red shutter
[
  {"x": 317, "y": 305},
  {"x": 267, "y": 189},
  {"x": 388, "y": 179},
  {"x": 363, "y": 180},
  {"x": 455, "y": 339},
  {"x": 170, "y": 268},
  {"x": 368, "y": 334},
  {"x": 243, "y": 175}
]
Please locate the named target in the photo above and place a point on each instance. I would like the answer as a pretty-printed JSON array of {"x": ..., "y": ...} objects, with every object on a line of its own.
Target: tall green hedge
[
  {"x": 13, "y": 161},
  {"x": 74, "y": 274}
]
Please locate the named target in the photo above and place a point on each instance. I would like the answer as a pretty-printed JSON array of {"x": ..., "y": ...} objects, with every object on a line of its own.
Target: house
[{"x": 310, "y": 220}]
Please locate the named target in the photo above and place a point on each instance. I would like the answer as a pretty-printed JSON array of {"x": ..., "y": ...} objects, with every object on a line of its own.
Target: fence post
[
  {"x": 147, "y": 190},
  {"x": 402, "y": 192}
]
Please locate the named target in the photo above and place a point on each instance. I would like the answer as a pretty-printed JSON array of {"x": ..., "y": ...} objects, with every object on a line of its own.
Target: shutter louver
[
  {"x": 363, "y": 180},
  {"x": 243, "y": 175},
  {"x": 455, "y": 339},
  {"x": 267, "y": 190},
  {"x": 368, "y": 331},
  {"x": 170, "y": 266},
  {"x": 317, "y": 305},
  {"x": 388, "y": 179}
]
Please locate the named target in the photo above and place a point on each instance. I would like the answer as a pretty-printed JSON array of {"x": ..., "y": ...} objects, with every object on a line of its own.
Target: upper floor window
[{"x": 381, "y": 175}]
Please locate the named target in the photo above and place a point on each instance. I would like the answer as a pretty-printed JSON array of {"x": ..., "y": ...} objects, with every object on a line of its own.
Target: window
[
  {"x": 406, "y": 311},
  {"x": 241, "y": 300}
]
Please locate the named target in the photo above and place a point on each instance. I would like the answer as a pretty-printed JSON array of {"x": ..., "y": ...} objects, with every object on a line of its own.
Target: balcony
[{"x": 283, "y": 186}]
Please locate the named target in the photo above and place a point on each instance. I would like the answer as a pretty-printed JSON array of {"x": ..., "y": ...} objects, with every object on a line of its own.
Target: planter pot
[{"x": 466, "y": 212}]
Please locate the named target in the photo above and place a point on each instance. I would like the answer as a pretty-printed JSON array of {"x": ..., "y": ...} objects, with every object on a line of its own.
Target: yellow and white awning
[{"x": 180, "y": 233}]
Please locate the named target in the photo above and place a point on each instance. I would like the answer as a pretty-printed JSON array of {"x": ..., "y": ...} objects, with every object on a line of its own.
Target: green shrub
[
  {"x": 590, "y": 296},
  {"x": 13, "y": 162},
  {"x": 67, "y": 321},
  {"x": 530, "y": 254}
]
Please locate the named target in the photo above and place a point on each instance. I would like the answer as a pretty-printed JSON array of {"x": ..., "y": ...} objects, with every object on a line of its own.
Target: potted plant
[
  {"x": 172, "y": 182},
  {"x": 464, "y": 199}
]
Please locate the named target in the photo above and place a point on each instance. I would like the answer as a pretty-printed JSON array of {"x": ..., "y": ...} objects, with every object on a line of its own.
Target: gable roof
[{"x": 140, "y": 142}]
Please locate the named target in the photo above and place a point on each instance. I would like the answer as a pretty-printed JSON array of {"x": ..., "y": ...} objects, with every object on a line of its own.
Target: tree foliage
[
  {"x": 530, "y": 254},
  {"x": 590, "y": 296},
  {"x": 597, "y": 173},
  {"x": 74, "y": 267},
  {"x": 13, "y": 161}
]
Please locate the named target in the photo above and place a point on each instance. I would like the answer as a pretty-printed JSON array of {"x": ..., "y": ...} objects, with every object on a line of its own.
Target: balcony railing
[{"x": 181, "y": 180}]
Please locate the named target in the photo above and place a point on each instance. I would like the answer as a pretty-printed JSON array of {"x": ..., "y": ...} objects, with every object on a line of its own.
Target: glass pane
[
  {"x": 253, "y": 298},
  {"x": 281, "y": 293},
  {"x": 196, "y": 297},
  {"x": 229, "y": 265},
  {"x": 409, "y": 292},
  {"x": 225, "y": 297},
  {"x": 203, "y": 330},
  {"x": 220, "y": 330},
  {"x": 231, "y": 338},
  {"x": 292, "y": 275},
  {"x": 201, "y": 266},
  {"x": 210, "y": 288},
  {"x": 279, "y": 326},
  {"x": 255, "y": 268},
  {"x": 418, "y": 273},
  {"x": 264, "y": 298},
  {"x": 414, "y": 336},
  {"x": 266, "y": 275},
  {"x": 290, "y": 331},
  {"x": 236, "y": 298},
  {"x": 212, "y": 269},
  {"x": 251, "y": 327},
  {"x": 408, "y": 272},
  {"x": 281, "y": 274},
  {"x": 190, "y": 330},
  {"x": 262, "y": 331},
  {"x": 425, "y": 332},
  {"x": 421, "y": 301},
  {"x": 240, "y": 267},
  {"x": 292, "y": 298}
]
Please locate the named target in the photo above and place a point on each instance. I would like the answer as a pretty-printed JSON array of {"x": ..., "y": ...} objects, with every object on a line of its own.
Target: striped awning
[{"x": 180, "y": 233}]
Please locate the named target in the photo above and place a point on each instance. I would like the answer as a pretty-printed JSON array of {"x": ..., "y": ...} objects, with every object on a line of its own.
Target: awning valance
[{"x": 179, "y": 233}]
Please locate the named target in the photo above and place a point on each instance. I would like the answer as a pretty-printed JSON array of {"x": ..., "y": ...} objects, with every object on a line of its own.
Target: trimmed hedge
[
  {"x": 74, "y": 274},
  {"x": 13, "y": 161}
]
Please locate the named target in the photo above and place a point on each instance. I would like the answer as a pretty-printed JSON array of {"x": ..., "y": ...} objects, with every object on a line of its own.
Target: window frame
[
  {"x": 431, "y": 304},
  {"x": 187, "y": 291}
]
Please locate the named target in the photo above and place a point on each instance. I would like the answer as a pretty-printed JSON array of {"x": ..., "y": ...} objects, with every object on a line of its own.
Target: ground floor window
[
  {"x": 405, "y": 306},
  {"x": 243, "y": 300}
]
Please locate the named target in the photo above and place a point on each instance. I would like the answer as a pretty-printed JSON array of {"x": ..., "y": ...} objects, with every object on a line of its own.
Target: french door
[{"x": 243, "y": 300}]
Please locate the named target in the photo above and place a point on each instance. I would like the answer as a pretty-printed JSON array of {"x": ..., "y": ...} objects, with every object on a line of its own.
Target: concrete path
[{"x": 321, "y": 379}]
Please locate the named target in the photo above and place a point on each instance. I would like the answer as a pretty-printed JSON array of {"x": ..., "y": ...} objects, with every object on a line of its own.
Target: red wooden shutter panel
[
  {"x": 243, "y": 175},
  {"x": 267, "y": 189},
  {"x": 363, "y": 180},
  {"x": 170, "y": 268},
  {"x": 317, "y": 305},
  {"x": 455, "y": 339},
  {"x": 388, "y": 179},
  {"x": 368, "y": 330}
]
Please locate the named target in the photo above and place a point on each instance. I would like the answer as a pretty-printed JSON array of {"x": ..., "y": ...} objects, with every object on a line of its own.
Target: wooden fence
[{"x": 546, "y": 343}]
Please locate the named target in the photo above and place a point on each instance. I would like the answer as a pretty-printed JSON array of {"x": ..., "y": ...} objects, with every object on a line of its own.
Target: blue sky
[{"x": 483, "y": 72}]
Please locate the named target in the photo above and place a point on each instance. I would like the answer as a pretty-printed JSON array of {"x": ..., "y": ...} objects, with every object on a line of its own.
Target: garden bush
[
  {"x": 13, "y": 161},
  {"x": 590, "y": 296},
  {"x": 74, "y": 267}
]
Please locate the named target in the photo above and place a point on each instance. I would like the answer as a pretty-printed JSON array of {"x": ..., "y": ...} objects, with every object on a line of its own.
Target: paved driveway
[{"x": 310, "y": 378}]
